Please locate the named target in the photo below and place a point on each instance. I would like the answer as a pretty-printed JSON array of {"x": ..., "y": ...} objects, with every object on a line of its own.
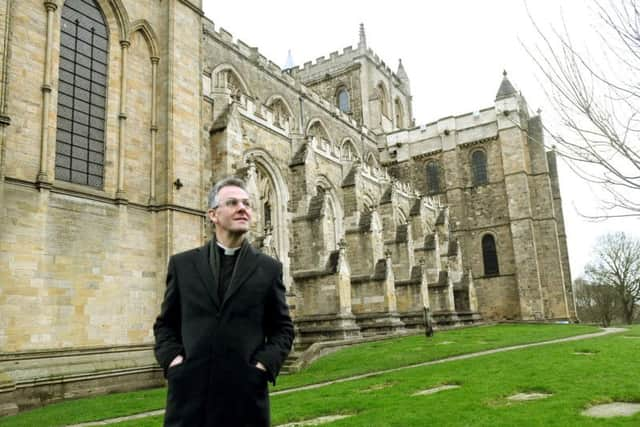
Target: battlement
[
  {"x": 463, "y": 129},
  {"x": 322, "y": 65},
  {"x": 382, "y": 65},
  {"x": 263, "y": 115},
  {"x": 252, "y": 53},
  {"x": 287, "y": 76}
]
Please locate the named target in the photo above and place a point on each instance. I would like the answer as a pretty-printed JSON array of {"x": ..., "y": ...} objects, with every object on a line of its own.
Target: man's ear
[{"x": 211, "y": 213}]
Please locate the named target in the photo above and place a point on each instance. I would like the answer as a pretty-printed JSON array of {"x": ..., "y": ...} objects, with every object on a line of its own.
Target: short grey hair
[{"x": 230, "y": 181}]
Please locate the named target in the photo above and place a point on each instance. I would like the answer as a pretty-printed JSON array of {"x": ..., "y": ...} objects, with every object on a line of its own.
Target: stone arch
[
  {"x": 266, "y": 165},
  {"x": 348, "y": 150},
  {"x": 316, "y": 127},
  {"x": 489, "y": 247},
  {"x": 115, "y": 10},
  {"x": 275, "y": 98},
  {"x": 281, "y": 109},
  {"x": 338, "y": 212},
  {"x": 383, "y": 98},
  {"x": 343, "y": 98},
  {"x": 139, "y": 99},
  {"x": 399, "y": 112},
  {"x": 371, "y": 160},
  {"x": 369, "y": 202},
  {"x": 478, "y": 162},
  {"x": 227, "y": 76},
  {"x": 148, "y": 34}
]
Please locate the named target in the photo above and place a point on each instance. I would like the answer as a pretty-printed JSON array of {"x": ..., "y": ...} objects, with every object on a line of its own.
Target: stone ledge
[
  {"x": 319, "y": 349},
  {"x": 32, "y": 379}
]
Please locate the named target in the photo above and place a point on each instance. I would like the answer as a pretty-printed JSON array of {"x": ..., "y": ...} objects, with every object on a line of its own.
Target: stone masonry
[{"x": 369, "y": 239}]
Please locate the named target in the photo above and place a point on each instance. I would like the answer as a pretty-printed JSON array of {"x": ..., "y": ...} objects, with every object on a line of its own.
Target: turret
[
  {"x": 506, "y": 88},
  {"x": 403, "y": 77},
  {"x": 362, "y": 43}
]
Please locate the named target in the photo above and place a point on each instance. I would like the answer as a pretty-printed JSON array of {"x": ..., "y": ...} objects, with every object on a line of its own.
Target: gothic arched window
[
  {"x": 82, "y": 94},
  {"x": 348, "y": 151},
  {"x": 281, "y": 116},
  {"x": 399, "y": 113},
  {"x": 382, "y": 99},
  {"x": 433, "y": 177},
  {"x": 344, "y": 103},
  {"x": 479, "y": 167},
  {"x": 490, "y": 255}
]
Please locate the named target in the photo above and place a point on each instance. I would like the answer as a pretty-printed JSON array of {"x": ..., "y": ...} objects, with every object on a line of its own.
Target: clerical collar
[{"x": 228, "y": 251}]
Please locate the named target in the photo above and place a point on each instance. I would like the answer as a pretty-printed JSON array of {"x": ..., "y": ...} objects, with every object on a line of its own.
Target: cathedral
[{"x": 116, "y": 118}]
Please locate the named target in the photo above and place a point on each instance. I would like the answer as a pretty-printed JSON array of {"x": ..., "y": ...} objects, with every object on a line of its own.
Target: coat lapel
[
  {"x": 209, "y": 280},
  {"x": 245, "y": 266}
]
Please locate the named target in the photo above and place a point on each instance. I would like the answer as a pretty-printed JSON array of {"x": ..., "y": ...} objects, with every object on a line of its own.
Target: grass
[
  {"x": 89, "y": 409},
  {"x": 574, "y": 381},
  {"x": 377, "y": 355},
  {"x": 388, "y": 354}
]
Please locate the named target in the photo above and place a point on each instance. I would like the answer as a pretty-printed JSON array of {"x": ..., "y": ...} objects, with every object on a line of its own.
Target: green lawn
[
  {"x": 611, "y": 372},
  {"x": 349, "y": 397},
  {"x": 381, "y": 355}
]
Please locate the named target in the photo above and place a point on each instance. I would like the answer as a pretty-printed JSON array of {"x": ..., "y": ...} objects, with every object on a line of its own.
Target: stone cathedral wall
[{"x": 341, "y": 198}]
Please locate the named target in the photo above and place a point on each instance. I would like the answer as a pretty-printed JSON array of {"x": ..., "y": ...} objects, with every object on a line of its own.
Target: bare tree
[
  {"x": 596, "y": 303},
  {"x": 616, "y": 265},
  {"x": 595, "y": 92}
]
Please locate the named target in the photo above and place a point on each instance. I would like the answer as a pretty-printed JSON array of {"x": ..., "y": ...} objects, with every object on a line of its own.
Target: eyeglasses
[{"x": 233, "y": 203}]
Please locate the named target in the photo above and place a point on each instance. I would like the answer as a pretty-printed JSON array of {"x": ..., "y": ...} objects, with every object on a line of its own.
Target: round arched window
[{"x": 343, "y": 100}]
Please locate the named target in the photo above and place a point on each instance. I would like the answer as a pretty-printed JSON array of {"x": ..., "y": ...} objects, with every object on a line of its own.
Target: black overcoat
[{"x": 221, "y": 341}]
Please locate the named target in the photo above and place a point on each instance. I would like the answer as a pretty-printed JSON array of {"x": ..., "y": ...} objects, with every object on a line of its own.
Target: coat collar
[
  {"x": 245, "y": 266},
  {"x": 209, "y": 280}
]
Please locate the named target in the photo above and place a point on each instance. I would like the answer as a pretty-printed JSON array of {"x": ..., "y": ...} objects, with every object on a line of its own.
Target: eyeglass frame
[{"x": 233, "y": 202}]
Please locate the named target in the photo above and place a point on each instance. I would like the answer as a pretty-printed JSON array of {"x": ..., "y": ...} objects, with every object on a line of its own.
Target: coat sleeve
[
  {"x": 167, "y": 327},
  {"x": 278, "y": 329}
]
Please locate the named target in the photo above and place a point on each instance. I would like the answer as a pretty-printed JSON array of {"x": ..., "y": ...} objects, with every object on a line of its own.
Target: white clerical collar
[{"x": 228, "y": 251}]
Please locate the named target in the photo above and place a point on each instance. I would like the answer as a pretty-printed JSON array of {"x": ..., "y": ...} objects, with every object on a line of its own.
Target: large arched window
[
  {"x": 490, "y": 255},
  {"x": 479, "y": 167},
  {"x": 342, "y": 98},
  {"x": 433, "y": 177},
  {"x": 82, "y": 94}
]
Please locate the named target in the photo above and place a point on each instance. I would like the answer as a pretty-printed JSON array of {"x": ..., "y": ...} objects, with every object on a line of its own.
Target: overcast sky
[{"x": 454, "y": 52}]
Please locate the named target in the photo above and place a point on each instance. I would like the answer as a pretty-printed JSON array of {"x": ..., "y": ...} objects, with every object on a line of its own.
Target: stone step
[{"x": 289, "y": 364}]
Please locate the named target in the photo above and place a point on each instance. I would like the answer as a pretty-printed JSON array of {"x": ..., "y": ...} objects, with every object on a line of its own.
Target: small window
[
  {"x": 433, "y": 177},
  {"x": 399, "y": 113},
  {"x": 490, "y": 256},
  {"x": 382, "y": 99},
  {"x": 343, "y": 100},
  {"x": 479, "y": 167},
  {"x": 348, "y": 152}
]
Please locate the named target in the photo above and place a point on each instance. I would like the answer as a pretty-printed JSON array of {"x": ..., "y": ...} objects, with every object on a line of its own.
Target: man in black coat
[{"x": 224, "y": 328}]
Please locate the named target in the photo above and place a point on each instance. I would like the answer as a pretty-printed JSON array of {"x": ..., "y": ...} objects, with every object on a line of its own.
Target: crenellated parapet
[
  {"x": 336, "y": 61},
  {"x": 262, "y": 115},
  {"x": 220, "y": 34}
]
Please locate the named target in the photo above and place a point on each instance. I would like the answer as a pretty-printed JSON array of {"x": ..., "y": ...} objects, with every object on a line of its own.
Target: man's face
[{"x": 232, "y": 216}]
